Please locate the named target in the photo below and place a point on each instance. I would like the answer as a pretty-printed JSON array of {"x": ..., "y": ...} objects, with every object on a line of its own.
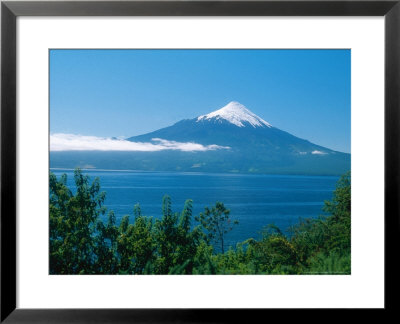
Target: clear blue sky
[{"x": 131, "y": 92}]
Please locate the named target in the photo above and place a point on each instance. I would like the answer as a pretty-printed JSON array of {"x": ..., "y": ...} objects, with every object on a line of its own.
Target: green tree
[
  {"x": 274, "y": 253},
  {"x": 142, "y": 241},
  {"x": 216, "y": 223},
  {"x": 186, "y": 239},
  {"x": 106, "y": 246},
  {"x": 166, "y": 233},
  {"x": 203, "y": 260},
  {"x": 73, "y": 220},
  {"x": 176, "y": 242},
  {"x": 325, "y": 243},
  {"x": 340, "y": 205},
  {"x": 339, "y": 222},
  {"x": 81, "y": 243},
  {"x": 135, "y": 243}
]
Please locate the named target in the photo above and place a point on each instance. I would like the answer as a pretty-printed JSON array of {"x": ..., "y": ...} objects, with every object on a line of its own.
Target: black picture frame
[{"x": 10, "y": 10}]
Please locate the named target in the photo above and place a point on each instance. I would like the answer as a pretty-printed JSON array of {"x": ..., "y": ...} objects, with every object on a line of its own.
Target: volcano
[{"x": 237, "y": 141}]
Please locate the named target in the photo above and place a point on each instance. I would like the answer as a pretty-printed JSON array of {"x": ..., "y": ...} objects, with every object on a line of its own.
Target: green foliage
[
  {"x": 216, "y": 223},
  {"x": 73, "y": 224},
  {"x": 135, "y": 243},
  {"x": 203, "y": 262},
  {"x": 239, "y": 261},
  {"x": 273, "y": 252},
  {"x": 166, "y": 235},
  {"x": 327, "y": 240},
  {"x": 333, "y": 263},
  {"x": 105, "y": 246},
  {"x": 81, "y": 243}
]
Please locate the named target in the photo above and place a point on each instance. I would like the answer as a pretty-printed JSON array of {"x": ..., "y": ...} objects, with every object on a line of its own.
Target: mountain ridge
[
  {"x": 239, "y": 128},
  {"x": 246, "y": 144}
]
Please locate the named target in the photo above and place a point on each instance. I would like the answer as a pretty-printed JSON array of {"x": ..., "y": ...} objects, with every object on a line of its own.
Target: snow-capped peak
[{"x": 237, "y": 114}]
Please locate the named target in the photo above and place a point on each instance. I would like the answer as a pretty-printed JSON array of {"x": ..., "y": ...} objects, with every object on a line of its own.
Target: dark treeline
[{"x": 178, "y": 243}]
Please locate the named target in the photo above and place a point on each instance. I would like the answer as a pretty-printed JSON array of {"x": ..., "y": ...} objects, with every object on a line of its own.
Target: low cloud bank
[
  {"x": 318, "y": 152},
  {"x": 72, "y": 142}
]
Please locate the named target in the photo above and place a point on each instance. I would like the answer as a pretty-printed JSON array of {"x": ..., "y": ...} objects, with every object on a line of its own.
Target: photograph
[{"x": 199, "y": 161}]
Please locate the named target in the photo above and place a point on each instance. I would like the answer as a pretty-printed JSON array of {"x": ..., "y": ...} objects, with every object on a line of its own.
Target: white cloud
[
  {"x": 72, "y": 142},
  {"x": 318, "y": 152}
]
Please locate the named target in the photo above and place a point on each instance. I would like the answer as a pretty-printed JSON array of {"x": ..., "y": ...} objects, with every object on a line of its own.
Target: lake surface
[{"x": 254, "y": 200}]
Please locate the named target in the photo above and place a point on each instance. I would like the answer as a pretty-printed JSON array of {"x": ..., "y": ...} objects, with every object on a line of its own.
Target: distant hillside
[{"x": 245, "y": 143}]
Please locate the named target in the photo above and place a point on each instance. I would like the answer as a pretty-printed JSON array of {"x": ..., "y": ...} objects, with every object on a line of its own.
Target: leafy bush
[{"x": 81, "y": 243}]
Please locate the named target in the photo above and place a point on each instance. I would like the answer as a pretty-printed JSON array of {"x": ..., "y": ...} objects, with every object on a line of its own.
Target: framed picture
[{"x": 182, "y": 148}]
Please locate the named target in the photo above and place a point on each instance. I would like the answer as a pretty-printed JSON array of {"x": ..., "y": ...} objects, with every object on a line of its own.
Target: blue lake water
[{"x": 254, "y": 200}]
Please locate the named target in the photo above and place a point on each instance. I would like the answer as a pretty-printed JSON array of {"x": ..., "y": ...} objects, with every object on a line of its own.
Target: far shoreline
[{"x": 196, "y": 173}]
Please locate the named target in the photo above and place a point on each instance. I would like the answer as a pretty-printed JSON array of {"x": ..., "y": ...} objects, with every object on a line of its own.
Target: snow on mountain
[
  {"x": 231, "y": 139},
  {"x": 237, "y": 114}
]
